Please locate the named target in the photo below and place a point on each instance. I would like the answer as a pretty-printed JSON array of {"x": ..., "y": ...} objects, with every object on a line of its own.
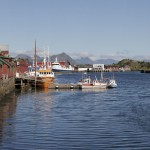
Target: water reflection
[
  {"x": 94, "y": 90},
  {"x": 78, "y": 119},
  {"x": 76, "y": 90},
  {"x": 7, "y": 110},
  {"x": 41, "y": 102}
]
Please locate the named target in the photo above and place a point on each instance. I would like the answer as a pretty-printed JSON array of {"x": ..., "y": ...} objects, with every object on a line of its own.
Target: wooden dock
[
  {"x": 64, "y": 86},
  {"x": 25, "y": 82}
]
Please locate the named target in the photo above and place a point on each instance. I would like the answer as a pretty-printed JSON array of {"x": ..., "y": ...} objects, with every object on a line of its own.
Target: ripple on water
[{"x": 80, "y": 119}]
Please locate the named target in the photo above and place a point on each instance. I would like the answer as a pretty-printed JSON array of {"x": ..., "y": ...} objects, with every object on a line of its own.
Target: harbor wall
[{"x": 6, "y": 86}]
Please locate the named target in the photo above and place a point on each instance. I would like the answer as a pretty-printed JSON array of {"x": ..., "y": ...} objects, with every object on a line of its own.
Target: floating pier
[
  {"x": 22, "y": 82},
  {"x": 64, "y": 86}
]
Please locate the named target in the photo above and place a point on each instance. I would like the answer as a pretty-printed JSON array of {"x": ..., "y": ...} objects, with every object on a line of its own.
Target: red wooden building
[
  {"x": 7, "y": 65},
  {"x": 22, "y": 66}
]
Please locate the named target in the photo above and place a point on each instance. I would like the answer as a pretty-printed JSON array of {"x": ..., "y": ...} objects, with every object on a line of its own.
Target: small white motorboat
[{"x": 112, "y": 83}]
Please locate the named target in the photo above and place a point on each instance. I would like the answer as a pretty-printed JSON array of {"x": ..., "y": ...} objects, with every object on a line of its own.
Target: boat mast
[
  {"x": 48, "y": 59},
  {"x": 101, "y": 75},
  {"x": 35, "y": 61}
]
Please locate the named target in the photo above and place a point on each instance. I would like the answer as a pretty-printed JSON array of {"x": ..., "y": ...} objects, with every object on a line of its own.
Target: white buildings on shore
[
  {"x": 102, "y": 67},
  {"x": 94, "y": 68},
  {"x": 98, "y": 67}
]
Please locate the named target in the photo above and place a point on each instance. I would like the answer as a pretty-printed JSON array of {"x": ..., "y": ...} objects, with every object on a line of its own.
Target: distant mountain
[
  {"x": 24, "y": 56},
  {"x": 60, "y": 57},
  {"x": 106, "y": 61},
  {"x": 63, "y": 57},
  {"x": 86, "y": 60},
  {"x": 29, "y": 58}
]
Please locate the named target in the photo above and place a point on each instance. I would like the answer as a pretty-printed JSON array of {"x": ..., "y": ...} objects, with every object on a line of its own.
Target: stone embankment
[{"x": 6, "y": 86}]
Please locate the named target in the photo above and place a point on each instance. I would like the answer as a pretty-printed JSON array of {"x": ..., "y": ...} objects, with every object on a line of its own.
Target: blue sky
[{"x": 96, "y": 28}]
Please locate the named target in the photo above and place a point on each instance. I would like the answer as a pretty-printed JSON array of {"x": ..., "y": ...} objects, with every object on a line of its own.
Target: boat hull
[
  {"x": 42, "y": 82},
  {"x": 112, "y": 86},
  {"x": 61, "y": 70},
  {"x": 93, "y": 86}
]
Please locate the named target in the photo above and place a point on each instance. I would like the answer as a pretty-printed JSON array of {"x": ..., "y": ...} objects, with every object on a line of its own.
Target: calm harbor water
[{"x": 79, "y": 119}]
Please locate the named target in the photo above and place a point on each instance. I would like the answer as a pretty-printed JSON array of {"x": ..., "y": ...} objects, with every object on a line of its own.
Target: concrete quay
[{"x": 6, "y": 86}]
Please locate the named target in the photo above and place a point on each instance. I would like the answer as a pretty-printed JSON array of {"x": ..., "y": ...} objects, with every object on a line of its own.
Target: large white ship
[{"x": 57, "y": 67}]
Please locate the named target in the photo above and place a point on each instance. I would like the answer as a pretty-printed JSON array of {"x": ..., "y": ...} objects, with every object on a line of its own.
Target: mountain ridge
[{"x": 65, "y": 57}]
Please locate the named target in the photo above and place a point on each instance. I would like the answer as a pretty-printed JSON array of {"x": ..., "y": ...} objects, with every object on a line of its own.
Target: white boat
[
  {"x": 96, "y": 85},
  {"x": 57, "y": 67},
  {"x": 88, "y": 83},
  {"x": 112, "y": 83}
]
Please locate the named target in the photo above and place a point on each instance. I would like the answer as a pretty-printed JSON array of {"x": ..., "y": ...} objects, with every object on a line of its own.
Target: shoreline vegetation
[
  {"x": 126, "y": 65},
  {"x": 134, "y": 65}
]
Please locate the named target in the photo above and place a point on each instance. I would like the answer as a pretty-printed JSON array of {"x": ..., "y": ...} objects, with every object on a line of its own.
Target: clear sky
[{"x": 95, "y": 28}]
